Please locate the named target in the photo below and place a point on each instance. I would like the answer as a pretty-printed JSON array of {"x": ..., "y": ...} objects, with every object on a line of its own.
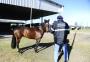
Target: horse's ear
[{"x": 46, "y": 21}]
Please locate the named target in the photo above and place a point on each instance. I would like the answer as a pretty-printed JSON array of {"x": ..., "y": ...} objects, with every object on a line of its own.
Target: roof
[
  {"x": 57, "y": 4},
  {"x": 21, "y": 13}
]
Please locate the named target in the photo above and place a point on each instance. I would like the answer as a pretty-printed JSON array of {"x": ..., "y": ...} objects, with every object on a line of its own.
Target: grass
[
  {"x": 11, "y": 55},
  {"x": 79, "y": 53},
  {"x": 81, "y": 48},
  {"x": 84, "y": 30}
]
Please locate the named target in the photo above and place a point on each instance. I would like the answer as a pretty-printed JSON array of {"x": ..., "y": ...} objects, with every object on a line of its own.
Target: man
[{"x": 60, "y": 30}]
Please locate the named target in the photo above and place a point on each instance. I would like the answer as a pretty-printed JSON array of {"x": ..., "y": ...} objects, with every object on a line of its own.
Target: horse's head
[{"x": 46, "y": 25}]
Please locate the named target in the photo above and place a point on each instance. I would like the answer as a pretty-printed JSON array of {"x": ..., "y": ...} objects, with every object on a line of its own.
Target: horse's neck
[{"x": 42, "y": 29}]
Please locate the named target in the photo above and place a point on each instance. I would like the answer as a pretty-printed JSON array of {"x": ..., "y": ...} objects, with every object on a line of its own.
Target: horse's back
[{"x": 31, "y": 33}]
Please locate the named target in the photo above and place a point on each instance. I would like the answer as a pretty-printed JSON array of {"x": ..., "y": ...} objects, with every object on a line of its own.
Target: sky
[{"x": 75, "y": 11}]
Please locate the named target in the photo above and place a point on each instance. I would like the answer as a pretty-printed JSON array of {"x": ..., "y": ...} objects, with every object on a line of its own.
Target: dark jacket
[{"x": 60, "y": 37}]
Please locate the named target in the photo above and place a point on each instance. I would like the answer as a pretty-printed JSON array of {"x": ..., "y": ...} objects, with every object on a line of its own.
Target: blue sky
[{"x": 75, "y": 11}]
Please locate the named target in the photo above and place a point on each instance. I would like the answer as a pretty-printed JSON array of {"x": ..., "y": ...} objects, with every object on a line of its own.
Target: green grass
[
  {"x": 11, "y": 55},
  {"x": 85, "y": 30},
  {"x": 79, "y": 53}
]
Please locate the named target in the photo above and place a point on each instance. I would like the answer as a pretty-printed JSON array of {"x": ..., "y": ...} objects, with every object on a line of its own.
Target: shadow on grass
[
  {"x": 41, "y": 47},
  {"x": 69, "y": 48}
]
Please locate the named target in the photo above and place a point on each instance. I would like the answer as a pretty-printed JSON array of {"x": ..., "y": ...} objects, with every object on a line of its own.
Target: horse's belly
[{"x": 32, "y": 34}]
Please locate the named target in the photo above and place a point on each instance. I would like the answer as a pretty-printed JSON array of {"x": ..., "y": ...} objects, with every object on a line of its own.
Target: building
[{"x": 19, "y": 11}]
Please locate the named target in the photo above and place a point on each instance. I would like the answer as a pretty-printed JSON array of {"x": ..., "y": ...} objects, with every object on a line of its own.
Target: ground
[{"x": 79, "y": 48}]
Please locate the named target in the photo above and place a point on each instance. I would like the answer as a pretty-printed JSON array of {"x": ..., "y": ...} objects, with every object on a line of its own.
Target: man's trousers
[{"x": 65, "y": 52}]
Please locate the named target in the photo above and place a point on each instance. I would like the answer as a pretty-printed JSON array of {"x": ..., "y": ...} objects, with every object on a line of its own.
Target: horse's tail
[{"x": 13, "y": 43}]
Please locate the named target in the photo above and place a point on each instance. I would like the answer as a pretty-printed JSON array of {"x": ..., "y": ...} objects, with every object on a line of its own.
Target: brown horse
[{"x": 31, "y": 33}]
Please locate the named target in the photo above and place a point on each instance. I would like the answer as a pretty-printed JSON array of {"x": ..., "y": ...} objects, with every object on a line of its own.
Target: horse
[{"x": 29, "y": 32}]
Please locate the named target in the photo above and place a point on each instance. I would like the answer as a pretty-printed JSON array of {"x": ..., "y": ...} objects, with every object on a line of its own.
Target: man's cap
[{"x": 59, "y": 17}]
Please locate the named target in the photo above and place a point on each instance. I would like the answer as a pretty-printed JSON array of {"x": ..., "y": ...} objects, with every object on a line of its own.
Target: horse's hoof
[
  {"x": 19, "y": 51},
  {"x": 36, "y": 51}
]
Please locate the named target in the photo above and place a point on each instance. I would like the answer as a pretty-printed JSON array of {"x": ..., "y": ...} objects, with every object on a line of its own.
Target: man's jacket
[{"x": 61, "y": 30}]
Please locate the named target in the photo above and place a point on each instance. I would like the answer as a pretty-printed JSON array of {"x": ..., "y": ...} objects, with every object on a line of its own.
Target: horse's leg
[
  {"x": 17, "y": 44},
  {"x": 36, "y": 46}
]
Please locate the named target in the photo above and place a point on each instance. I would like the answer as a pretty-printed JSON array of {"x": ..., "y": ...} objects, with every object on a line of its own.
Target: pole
[{"x": 31, "y": 12}]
